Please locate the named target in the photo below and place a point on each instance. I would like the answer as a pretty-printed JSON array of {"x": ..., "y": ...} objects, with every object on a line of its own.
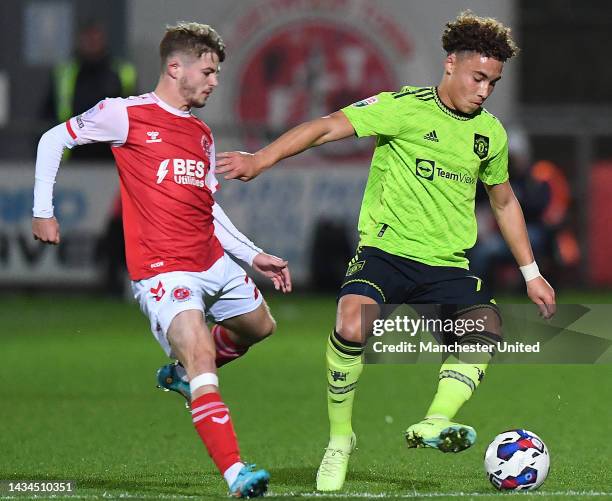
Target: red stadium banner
[{"x": 600, "y": 236}]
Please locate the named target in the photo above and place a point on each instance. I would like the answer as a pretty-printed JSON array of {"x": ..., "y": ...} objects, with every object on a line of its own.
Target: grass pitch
[{"x": 78, "y": 402}]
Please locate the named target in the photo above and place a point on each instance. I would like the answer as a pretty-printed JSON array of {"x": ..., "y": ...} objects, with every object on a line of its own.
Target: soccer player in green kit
[{"x": 416, "y": 222}]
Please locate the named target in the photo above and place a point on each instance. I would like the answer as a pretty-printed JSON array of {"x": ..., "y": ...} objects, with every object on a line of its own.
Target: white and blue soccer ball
[{"x": 517, "y": 460}]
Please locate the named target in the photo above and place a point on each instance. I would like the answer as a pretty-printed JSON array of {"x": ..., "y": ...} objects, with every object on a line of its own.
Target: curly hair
[
  {"x": 484, "y": 35},
  {"x": 193, "y": 39}
]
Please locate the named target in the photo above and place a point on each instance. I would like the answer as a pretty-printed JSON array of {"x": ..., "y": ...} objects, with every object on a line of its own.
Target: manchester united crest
[{"x": 481, "y": 146}]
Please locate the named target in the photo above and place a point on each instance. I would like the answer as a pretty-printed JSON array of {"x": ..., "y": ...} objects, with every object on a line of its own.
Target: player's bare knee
[
  {"x": 254, "y": 326},
  {"x": 349, "y": 329},
  {"x": 262, "y": 329},
  {"x": 268, "y": 328},
  {"x": 352, "y": 309}
]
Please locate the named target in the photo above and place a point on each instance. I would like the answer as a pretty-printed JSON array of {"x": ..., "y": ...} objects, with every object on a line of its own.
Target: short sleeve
[
  {"x": 375, "y": 116},
  {"x": 106, "y": 122},
  {"x": 211, "y": 178},
  {"x": 494, "y": 170}
]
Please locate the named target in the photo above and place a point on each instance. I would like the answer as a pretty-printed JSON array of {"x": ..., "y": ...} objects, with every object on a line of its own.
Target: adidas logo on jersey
[{"x": 431, "y": 136}]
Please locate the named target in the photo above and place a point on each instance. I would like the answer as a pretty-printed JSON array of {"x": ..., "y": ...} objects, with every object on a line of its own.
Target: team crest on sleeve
[
  {"x": 205, "y": 145},
  {"x": 481, "y": 146},
  {"x": 365, "y": 102},
  {"x": 181, "y": 294}
]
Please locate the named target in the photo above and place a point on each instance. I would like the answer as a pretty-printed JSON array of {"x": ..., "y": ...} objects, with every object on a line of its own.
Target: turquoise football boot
[
  {"x": 171, "y": 377},
  {"x": 440, "y": 434},
  {"x": 250, "y": 483}
]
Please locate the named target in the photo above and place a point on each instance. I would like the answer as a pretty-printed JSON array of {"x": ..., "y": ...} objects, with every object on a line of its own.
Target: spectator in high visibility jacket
[{"x": 82, "y": 81}]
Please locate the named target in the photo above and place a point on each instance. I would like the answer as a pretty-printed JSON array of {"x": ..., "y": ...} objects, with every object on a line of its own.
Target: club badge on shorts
[{"x": 181, "y": 294}]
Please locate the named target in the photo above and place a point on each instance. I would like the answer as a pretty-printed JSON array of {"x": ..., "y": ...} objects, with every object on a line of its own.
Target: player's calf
[
  {"x": 173, "y": 376},
  {"x": 193, "y": 345},
  {"x": 229, "y": 346}
]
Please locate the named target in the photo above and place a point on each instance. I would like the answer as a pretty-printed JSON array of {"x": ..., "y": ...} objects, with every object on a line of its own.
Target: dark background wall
[
  {"x": 565, "y": 51},
  {"x": 29, "y": 83}
]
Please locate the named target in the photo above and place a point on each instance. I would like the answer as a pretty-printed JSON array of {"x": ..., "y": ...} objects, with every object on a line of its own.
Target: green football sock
[
  {"x": 459, "y": 377},
  {"x": 457, "y": 383},
  {"x": 344, "y": 366}
]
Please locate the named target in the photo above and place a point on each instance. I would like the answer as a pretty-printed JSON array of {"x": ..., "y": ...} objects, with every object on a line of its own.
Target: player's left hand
[
  {"x": 275, "y": 269},
  {"x": 543, "y": 295}
]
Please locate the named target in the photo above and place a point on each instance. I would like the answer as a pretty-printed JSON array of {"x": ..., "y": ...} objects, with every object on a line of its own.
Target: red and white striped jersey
[{"x": 166, "y": 162}]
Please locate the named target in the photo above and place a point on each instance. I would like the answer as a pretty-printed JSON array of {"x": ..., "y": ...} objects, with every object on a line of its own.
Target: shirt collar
[{"x": 170, "y": 109}]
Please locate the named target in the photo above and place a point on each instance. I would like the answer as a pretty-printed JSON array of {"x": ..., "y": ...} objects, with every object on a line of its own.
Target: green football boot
[
  {"x": 441, "y": 434},
  {"x": 332, "y": 471}
]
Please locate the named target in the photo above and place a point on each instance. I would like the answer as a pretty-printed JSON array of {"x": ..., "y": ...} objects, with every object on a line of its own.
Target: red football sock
[
  {"x": 213, "y": 423},
  {"x": 226, "y": 349}
]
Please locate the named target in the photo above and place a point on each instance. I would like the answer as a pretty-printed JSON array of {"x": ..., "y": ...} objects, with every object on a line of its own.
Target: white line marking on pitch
[{"x": 348, "y": 495}]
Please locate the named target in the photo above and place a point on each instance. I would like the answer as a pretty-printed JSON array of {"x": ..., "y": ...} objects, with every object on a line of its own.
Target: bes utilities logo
[{"x": 191, "y": 172}]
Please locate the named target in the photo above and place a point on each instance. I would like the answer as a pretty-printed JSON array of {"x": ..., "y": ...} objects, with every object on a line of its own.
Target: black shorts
[{"x": 390, "y": 279}]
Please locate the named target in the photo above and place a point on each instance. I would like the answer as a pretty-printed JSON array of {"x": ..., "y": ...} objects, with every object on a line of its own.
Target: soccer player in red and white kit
[{"x": 177, "y": 238}]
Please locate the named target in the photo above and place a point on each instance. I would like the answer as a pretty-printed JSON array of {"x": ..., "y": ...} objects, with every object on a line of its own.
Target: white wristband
[
  {"x": 206, "y": 379},
  {"x": 530, "y": 271}
]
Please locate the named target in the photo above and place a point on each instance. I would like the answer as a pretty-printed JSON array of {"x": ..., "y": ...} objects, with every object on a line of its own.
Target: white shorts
[{"x": 223, "y": 291}]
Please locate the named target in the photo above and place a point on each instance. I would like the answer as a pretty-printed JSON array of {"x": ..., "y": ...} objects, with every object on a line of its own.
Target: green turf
[{"x": 78, "y": 402}]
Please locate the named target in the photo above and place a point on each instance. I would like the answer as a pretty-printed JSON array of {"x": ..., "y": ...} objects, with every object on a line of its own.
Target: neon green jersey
[{"x": 419, "y": 198}]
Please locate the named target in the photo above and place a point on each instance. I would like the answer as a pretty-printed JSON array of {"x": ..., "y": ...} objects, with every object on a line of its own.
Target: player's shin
[
  {"x": 344, "y": 366},
  {"x": 460, "y": 375},
  {"x": 214, "y": 426}
]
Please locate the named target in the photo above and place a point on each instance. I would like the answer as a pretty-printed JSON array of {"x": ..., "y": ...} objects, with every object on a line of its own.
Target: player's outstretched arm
[
  {"x": 48, "y": 157},
  {"x": 246, "y": 166},
  {"x": 509, "y": 216}
]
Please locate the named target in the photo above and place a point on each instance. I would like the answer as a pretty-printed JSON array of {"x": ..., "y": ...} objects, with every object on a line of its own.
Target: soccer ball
[{"x": 517, "y": 460}]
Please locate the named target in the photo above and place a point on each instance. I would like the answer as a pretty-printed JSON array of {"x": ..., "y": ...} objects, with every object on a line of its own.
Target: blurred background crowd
[{"x": 288, "y": 61}]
